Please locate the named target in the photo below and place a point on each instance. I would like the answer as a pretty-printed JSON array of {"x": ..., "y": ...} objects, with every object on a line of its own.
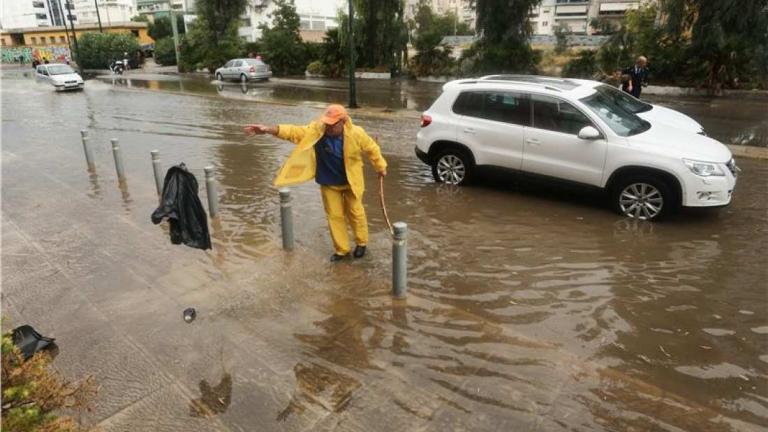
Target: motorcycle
[{"x": 117, "y": 67}]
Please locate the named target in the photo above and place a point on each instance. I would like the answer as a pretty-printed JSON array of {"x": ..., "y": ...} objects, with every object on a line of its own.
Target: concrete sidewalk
[{"x": 279, "y": 343}]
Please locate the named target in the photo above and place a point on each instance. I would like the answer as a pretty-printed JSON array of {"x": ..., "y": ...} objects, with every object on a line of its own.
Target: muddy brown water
[
  {"x": 528, "y": 304},
  {"x": 732, "y": 120}
]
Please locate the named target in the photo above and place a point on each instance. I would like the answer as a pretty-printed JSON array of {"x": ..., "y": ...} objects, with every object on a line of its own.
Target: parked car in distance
[
  {"x": 651, "y": 160},
  {"x": 244, "y": 70},
  {"x": 60, "y": 76}
]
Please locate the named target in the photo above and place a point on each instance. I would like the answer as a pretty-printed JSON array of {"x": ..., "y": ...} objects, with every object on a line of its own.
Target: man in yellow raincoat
[{"x": 330, "y": 150}]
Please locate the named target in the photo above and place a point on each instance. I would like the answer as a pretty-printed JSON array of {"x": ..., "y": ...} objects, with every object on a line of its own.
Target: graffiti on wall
[
  {"x": 11, "y": 55},
  {"x": 50, "y": 53}
]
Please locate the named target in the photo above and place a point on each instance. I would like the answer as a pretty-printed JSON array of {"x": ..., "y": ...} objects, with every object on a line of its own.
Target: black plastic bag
[
  {"x": 183, "y": 209},
  {"x": 29, "y": 341}
]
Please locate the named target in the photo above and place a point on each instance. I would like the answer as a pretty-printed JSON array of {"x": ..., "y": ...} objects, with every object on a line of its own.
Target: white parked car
[
  {"x": 650, "y": 159},
  {"x": 244, "y": 70},
  {"x": 60, "y": 76}
]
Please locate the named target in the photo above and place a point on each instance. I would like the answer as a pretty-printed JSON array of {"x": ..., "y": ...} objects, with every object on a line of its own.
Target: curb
[{"x": 749, "y": 151}]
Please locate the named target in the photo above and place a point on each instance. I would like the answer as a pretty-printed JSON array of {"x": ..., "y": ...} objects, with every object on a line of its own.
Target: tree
[
  {"x": 561, "y": 38},
  {"x": 380, "y": 33},
  {"x": 722, "y": 38},
  {"x": 602, "y": 26},
  {"x": 165, "y": 51},
  {"x": 97, "y": 50},
  {"x": 161, "y": 28},
  {"x": 33, "y": 393},
  {"x": 282, "y": 45},
  {"x": 504, "y": 31},
  {"x": 433, "y": 57},
  {"x": 333, "y": 58},
  {"x": 212, "y": 39}
]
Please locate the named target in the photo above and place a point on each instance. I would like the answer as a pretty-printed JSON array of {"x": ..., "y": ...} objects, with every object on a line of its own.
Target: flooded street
[
  {"x": 529, "y": 307},
  {"x": 735, "y": 120}
]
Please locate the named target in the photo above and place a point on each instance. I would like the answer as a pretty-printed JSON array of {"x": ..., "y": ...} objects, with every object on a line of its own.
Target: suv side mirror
[{"x": 589, "y": 133}]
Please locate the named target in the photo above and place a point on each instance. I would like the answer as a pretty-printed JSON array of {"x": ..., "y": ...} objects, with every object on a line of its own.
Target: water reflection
[{"x": 214, "y": 399}]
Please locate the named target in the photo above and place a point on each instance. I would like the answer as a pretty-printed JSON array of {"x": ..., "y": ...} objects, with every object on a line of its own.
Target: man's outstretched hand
[
  {"x": 383, "y": 173},
  {"x": 259, "y": 129}
]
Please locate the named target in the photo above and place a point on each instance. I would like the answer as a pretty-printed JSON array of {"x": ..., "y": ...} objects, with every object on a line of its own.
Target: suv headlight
[{"x": 704, "y": 169}]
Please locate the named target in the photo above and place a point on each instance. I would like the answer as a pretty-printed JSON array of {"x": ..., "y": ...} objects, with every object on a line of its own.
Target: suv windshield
[
  {"x": 60, "y": 70},
  {"x": 628, "y": 102},
  {"x": 620, "y": 119}
]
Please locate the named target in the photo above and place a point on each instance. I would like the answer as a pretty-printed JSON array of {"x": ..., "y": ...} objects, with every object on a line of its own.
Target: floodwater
[
  {"x": 739, "y": 121},
  {"x": 529, "y": 307}
]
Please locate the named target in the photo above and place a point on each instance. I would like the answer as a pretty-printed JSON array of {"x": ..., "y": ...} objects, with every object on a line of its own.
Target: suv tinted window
[
  {"x": 469, "y": 104},
  {"x": 556, "y": 115},
  {"x": 508, "y": 107}
]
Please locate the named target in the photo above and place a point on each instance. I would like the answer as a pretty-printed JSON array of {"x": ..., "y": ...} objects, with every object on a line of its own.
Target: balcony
[{"x": 617, "y": 8}]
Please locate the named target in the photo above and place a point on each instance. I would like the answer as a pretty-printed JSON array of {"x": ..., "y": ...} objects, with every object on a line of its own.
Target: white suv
[{"x": 650, "y": 159}]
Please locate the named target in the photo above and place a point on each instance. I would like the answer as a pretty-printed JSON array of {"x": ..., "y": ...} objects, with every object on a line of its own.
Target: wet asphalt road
[{"x": 530, "y": 307}]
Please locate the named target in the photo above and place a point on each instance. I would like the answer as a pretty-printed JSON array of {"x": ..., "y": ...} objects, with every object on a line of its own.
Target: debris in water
[
  {"x": 664, "y": 351},
  {"x": 189, "y": 314}
]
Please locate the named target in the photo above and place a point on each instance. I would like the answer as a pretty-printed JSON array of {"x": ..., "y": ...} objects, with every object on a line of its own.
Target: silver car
[
  {"x": 244, "y": 70},
  {"x": 60, "y": 76}
]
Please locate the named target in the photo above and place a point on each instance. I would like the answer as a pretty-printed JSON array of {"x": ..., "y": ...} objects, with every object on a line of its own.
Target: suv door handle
[
  {"x": 470, "y": 131},
  {"x": 533, "y": 141}
]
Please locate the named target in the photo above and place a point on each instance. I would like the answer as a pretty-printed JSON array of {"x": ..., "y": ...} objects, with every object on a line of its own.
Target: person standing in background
[{"x": 637, "y": 77}]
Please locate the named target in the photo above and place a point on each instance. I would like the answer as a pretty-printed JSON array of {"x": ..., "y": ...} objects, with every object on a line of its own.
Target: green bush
[
  {"x": 314, "y": 50},
  {"x": 316, "y": 68},
  {"x": 254, "y": 48},
  {"x": 97, "y": 50},
  {"x": 333, "y": 54},
  {"x": 162, "y": 28},
  {"x": 165, "y": 53},
  {"x": 284, "y": 50},
  {"x": 583, "y": 66}
]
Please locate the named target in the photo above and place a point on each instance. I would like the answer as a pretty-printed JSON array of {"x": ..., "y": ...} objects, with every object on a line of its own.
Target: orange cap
[{"x": 334, "y": 113}]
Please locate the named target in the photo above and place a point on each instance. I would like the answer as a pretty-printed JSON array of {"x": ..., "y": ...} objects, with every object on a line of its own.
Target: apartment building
[
  {"x": 316, "y": 17},
  {"x": 576, "y": 15},
  {"x": 109, "y": 11},
  {"x": 16, "y": 14}
]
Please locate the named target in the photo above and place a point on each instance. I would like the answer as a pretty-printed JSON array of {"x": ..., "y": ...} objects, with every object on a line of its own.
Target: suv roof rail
[
  {"x": 559, "y": 83},
  {"x": 506, "y": 81}
]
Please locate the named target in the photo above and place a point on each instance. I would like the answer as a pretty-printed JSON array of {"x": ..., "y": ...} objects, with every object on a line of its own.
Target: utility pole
[
  {"x": 74, "y": 35},
  {"x": 174, "y": 27},
  {"x": 98, "y": 16},
  {"x": 352, "y": 92},
  {"x": 66, "y": 30}
]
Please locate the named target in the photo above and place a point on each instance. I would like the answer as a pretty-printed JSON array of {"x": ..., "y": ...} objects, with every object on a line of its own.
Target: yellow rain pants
[{"x": 342, "y": 206}]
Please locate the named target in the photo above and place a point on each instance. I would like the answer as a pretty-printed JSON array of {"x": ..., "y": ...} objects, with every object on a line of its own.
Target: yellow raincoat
[
  {"x": 343, "y": 204},
  {"x": 301, "y": 164}
]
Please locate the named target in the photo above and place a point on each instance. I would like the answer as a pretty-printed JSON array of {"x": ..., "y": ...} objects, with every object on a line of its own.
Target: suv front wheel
[
  {"x": 643, "y": 197},
  {"x": 452, "y": 166}
]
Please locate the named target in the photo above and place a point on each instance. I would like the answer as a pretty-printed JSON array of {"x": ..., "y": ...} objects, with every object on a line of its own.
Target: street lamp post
[{"x": 351, "y": 67}]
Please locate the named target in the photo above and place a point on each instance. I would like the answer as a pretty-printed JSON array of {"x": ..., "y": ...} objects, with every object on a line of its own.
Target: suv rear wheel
[
  {"x": 643, "y": 197},
  {"x": 452, "y": 166}
]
